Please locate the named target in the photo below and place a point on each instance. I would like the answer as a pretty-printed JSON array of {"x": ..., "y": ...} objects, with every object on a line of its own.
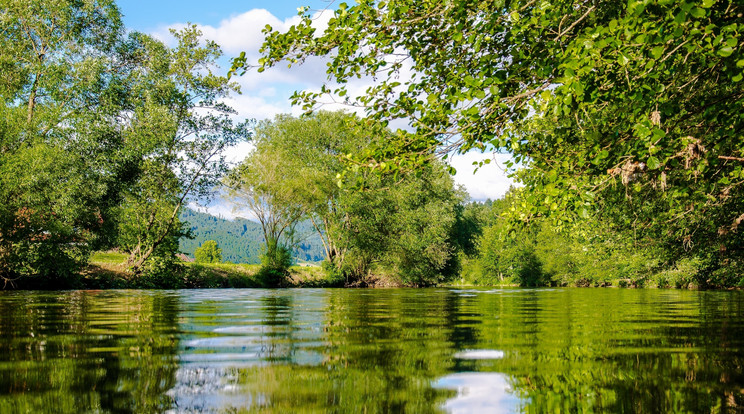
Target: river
[{"x": 367, "y": 350}]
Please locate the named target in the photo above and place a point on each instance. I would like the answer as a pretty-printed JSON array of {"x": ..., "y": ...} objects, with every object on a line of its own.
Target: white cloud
[
  {"x": 237, "y": 33},
  {"x": 489, "y": 181},
  {"x": 237, "y": 153},
  {"x": 222, "y": 208}
]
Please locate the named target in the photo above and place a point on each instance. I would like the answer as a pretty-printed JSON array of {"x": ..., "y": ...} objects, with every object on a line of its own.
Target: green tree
[
  {"x": 310, "y": 150},
  {"x": 402, "y": 226},
  {"x": 102, "y": 137},
  {"x": 630, "y": 109},
  {"x": 60, "y": 102},
  {"x": 181, "y": 127},
  {"x": 262, "y": 185},
  {"x": 208, "y": 252}
]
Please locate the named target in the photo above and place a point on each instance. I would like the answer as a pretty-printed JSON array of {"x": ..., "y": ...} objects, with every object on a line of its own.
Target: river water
[{"x": 388, "y": 350}]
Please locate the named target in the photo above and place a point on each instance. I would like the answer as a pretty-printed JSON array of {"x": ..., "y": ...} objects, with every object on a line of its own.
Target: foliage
[
  {"x": 275, "y": 263},
  {"x": 103, "y": 137},
  {"x": 266, "y": 185},
  {"x": 630, "y": 110},
  {"x": 199, "y": 276},
  {"x": 401, "y": 225},
  {"x": 208, "y": 252},
  {"x": 589, "y": 254},
  {"x": 404, "y": 227},
  {"x": 310, "y": 149},
  {"x": 182, "y": 128},
  {"x": 59, "y": 98}
]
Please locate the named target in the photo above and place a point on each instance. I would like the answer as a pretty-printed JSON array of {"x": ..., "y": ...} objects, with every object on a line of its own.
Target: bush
[
  {"x": 334, "y": 276},
  {"x": 275, "y": 265},
  {"x": 684, "y": 274},
  {"x": 729, "y": 274},
  {"x": 161, "y": 272},
  {"x": 208, "y": 252}
]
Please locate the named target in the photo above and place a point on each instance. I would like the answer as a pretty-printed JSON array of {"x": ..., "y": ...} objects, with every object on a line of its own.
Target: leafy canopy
[{"x": 631, "y": 110}]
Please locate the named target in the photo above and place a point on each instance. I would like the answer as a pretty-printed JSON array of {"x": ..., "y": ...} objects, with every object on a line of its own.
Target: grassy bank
[{"x": 108, "y": 270}]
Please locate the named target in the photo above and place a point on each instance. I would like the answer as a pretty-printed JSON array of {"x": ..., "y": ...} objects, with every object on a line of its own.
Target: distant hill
[{"x": 242, "y": 240}]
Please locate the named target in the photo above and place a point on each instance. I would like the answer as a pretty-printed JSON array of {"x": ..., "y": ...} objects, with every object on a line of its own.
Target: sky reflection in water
[{"x": 399, "y": 350}]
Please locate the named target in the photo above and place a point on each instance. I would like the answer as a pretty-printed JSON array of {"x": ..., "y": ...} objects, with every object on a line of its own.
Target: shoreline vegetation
[
  {"x": 107, "y": 270},
  {"x": 623, "y": 122}
]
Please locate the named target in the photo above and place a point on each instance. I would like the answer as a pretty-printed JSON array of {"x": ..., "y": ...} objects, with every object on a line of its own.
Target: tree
[
  {"x": 400, "y": 224},
  {"x": 262, "y": 185},
  {"x": 633, "y": 107},
  {"x": 102, "y": 137},
  {"x": 208, "y": 252},
  {"x": 59, "y": 103},
  {"x": 181, "y": 128},
  {"x": 404, "y": 228},
  {"x": 311, "y": 150}
]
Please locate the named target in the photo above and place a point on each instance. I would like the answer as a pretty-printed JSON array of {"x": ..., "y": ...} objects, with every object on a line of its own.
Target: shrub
[{"x": 208, "y": 252}]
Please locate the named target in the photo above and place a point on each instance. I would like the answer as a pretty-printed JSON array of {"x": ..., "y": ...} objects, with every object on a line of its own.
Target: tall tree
[
  {"x": 311, "y": 151},
  {"x": 181, "y": 127},
  {"x": 60, "y": 102},
  {"x": 263, "y": 184},
  {"x": 401, "y": 225}
]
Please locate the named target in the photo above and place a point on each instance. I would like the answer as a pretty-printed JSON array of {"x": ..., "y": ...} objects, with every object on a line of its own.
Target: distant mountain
[{"x": 242, "y": 240}]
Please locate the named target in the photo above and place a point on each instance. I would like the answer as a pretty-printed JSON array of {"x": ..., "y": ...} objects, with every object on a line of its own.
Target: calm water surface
[{"x": 397, "y": 350}]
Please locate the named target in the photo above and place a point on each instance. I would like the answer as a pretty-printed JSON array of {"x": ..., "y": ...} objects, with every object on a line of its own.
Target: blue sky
[
  {"x": 149, "y": 15},
  {"x": 236, "y": 26}
]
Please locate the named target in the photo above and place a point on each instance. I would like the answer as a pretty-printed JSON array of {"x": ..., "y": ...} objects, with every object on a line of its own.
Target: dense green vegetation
[
  {"x": 624, "y": 119},
  {"x": 208, "y": 252},
  {"x": 591, "y": 254},
  {"x": 400, "y": 226},
  {"x": 104, "y": 136}
]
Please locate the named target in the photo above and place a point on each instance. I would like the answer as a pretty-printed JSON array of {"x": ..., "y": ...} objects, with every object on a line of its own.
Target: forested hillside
[{"x": 241, "y": 240}]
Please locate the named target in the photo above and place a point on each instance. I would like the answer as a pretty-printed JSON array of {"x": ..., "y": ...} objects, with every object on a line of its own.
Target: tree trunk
[{"x": 32, "y": 100}]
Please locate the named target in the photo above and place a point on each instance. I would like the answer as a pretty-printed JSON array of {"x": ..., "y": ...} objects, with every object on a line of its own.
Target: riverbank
[{"x": 107, "y": 270}]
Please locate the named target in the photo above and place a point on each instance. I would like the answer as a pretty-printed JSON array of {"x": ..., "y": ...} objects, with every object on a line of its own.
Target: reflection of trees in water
[
  {"x": 278, "y": 317},
  {"x": 379, "y": 351},
  {"x": 227, "y": 331},
  {"x": 373, "y": 350},
  {"x": 86, "y": 351},
  {"x": 635, "y": 351}
]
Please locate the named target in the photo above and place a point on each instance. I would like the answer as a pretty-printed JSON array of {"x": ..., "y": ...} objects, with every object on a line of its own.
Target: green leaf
[
  {"x": 653, "y": 163},
  {"x": 697, "y": 13},
  {"x": 657, "y": 52},
  {"x": 552, "y": 175},
  {"x": 726, "y": 51}
]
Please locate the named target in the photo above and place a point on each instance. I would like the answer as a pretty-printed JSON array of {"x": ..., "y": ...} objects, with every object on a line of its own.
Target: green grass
[
  {"x": 108, "y": 270},
  {"x": 108, "y": 257}
]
